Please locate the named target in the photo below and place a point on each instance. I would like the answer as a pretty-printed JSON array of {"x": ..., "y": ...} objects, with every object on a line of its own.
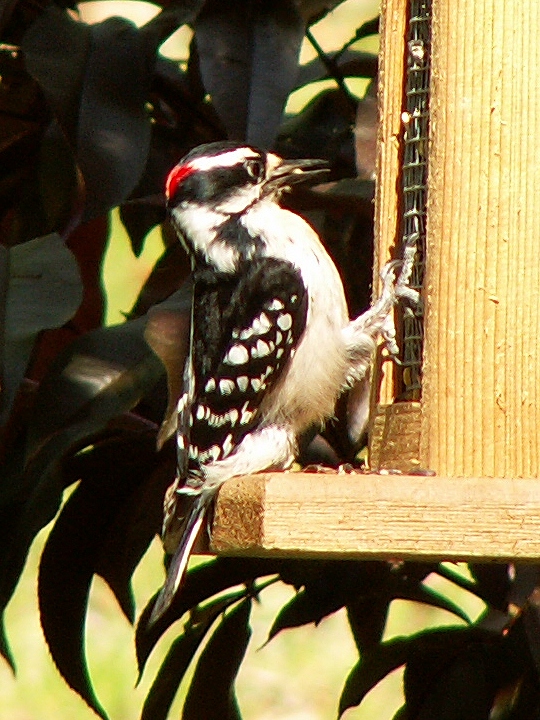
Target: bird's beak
[{"x": 284, "y": 173}]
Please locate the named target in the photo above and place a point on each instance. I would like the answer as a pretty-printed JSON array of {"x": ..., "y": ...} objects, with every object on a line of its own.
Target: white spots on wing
[
  {"x": 210, "y": 385},
  {"x": 227, "y": 418},
  {"x": 200, "y": 412},
  {"x": 284, "y": 321},
  {"x": 215, "y": 420},
  {"x": 276, "y": 305},
  {"x": 193, "y": 452},
  {"x": 245, "y": 414},
  {"x": 256, "y": 384},
  {"x": 237, "y": 355},
  {"x": 279, "y": 338},
  {"x": 261, "y": 325},
  {"x": 267, "y": 372},
  {"x": 261, "y": 349},
  {"x": 180, "y": 441},
  {"x": 294, "y": 299},
  {"x": 242, "y": 381},
  {"x": 279, "y": 353},
  {"x": 182, "y": 402},
  {"x": 246, "y": 333},
  {"x": 212, "y": 453},
  {"x": 226, "y": 386},
  {"x": 227, "y": 444}
]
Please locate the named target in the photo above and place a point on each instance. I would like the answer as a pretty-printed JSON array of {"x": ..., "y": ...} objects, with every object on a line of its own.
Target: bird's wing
[
  {"x": 260, "y": 325},
  {"x": 242, "y": 341}
]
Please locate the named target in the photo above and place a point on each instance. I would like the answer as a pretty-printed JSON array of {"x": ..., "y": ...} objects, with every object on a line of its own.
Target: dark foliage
[{"x": 92, "y": 117}]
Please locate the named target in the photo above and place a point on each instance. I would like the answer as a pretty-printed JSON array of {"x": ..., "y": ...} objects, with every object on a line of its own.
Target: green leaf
[
  {"x": 211, "y": 694},
  {"x": 138, "y": 521},
  {"x": 330, "y": 586},
  {"x": 367, "y": 620},
  {"x": 261, "y": 45},
  {"x": 201, "y": 582},
  {"x": 161, "y": 695},
  {"x": 5, "y": 650},
  {"x": 110, "y": 472},
  {"x": 98, "y": 377},
  {"x": 304, "y": 608},
  {"x": 449, "y": 675},
  {"x": 44, "y": 290},
  {"x": 167, "y": 333},
  {"x": 401, "y": 714},
  {"x": 371, "y": 669},
  {"x": 492, "y": 583},
  {"x": 428, "y": 596},
  {"x": 437, "y": 645}
]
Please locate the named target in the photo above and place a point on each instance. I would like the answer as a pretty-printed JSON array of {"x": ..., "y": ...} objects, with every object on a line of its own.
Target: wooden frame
[{"x": 378, "y": 516}]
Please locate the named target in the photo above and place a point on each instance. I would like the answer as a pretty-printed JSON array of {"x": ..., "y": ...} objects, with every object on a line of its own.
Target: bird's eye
[{"x": 255, "y": 168}]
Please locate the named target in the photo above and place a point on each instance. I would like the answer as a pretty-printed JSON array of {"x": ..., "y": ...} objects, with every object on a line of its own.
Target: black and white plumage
[{"x": 272, "y": 346}]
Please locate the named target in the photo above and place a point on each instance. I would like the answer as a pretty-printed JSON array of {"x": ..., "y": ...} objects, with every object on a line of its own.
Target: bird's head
[
  {"x": 215, "y": 184},
  {"x": 227, "y": 177}
]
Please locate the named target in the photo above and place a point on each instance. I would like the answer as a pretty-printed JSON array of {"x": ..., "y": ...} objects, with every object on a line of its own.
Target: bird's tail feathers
[{"x": 178, "y": 565}]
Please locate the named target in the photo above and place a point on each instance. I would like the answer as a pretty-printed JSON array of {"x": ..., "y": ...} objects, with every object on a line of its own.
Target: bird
[{"x": 272, "y": 346}]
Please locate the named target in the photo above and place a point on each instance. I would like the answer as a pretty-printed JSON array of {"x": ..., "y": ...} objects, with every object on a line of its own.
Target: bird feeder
[{"x": 458, "y": 185}]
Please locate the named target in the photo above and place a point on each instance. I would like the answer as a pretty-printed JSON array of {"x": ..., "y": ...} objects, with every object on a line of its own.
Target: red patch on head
[{"x": 176, "y": 176}]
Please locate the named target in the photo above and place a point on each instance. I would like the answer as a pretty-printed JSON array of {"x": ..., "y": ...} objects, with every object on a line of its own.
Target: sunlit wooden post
[{"x": 481, "y": 365}]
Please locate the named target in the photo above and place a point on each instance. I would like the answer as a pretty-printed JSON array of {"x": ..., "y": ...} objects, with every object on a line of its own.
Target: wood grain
[
  {"x": 377, "y": 517},
  {"x": 390, "y": 99},
  {"x": 481, "y": 415}
]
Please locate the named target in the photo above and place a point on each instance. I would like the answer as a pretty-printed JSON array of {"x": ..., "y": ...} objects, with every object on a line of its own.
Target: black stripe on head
[{"x": 211, "y": 172}]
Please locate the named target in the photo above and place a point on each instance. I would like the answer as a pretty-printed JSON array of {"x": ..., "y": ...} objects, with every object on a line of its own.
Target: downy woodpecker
[{"x": 272, "y": 347}]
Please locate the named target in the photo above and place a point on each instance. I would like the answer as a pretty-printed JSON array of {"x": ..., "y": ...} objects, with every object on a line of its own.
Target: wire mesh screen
[{"x": 414, "y": 182}]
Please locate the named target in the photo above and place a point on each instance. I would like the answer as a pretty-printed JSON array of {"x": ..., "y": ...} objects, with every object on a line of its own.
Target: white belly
[{"x": 309, "y": 387}]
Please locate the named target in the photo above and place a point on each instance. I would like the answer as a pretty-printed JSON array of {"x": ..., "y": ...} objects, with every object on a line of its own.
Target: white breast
[{"x": 308, "y": 389}]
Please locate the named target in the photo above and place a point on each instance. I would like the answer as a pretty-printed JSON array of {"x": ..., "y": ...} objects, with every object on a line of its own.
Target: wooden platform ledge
[{"x": 377, "y": 517}]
